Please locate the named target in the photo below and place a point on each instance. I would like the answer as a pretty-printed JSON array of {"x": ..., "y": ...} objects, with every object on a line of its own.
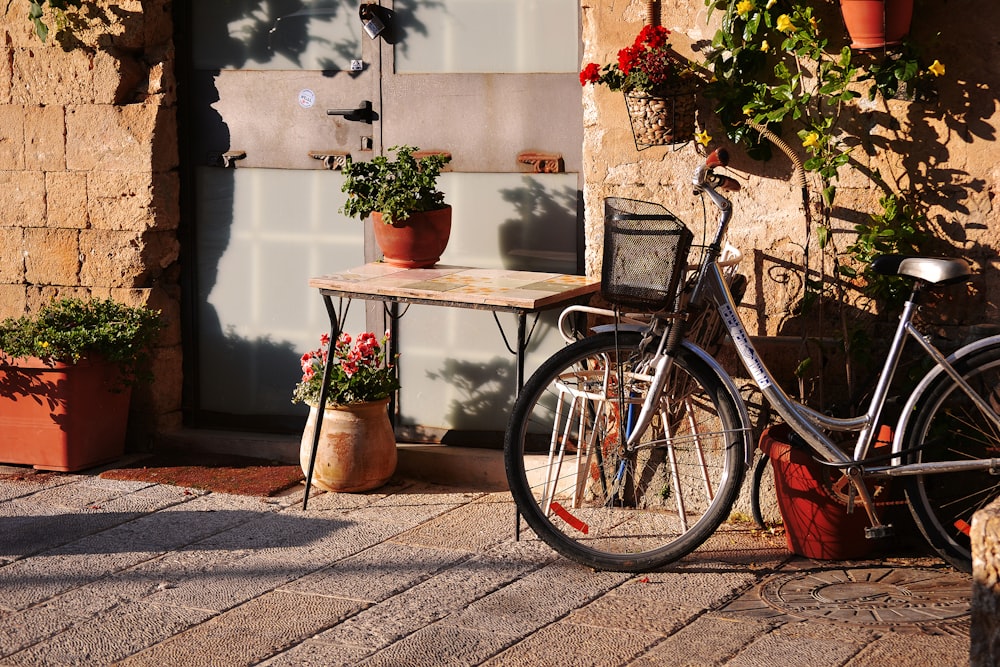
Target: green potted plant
[
  {"x": 658, "y": 85},
  {"x": 356, "y": 450},
  {"x": 66, "y": 373},
  {"x": 412, "y": 223}
]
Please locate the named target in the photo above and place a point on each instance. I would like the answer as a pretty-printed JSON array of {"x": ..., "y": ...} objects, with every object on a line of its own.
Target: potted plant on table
[
  {"x": 66, "y": 374},
  {"x": 412, "y": 223},
  {"x": 659, "y": 87},
  {"x": 357, "y": 445}
]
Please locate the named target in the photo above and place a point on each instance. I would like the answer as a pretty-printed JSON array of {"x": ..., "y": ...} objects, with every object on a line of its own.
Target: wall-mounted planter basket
[
  {"x": 875, "y": 24},
  {"x": 660, "y": 121}
]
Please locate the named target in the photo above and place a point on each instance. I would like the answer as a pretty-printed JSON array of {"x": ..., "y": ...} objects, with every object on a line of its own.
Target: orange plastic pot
[
  {"x": 816, "y": 521},
  {"x": 63, "y": 417}
]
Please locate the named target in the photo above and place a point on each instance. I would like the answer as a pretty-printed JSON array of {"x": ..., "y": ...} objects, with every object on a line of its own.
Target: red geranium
[
  {"x": 648, "y": 65},
  {"x": 359, "y": 372}
]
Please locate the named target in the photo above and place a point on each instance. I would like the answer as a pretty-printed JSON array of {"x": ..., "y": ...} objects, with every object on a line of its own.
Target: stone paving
[{"x": 99, "y": 572}]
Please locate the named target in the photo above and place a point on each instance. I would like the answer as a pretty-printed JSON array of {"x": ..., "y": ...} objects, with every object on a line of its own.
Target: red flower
[
  {"x": 626, "y": 59},
  {"x": 652, "y": 36},
  {"x": 590, "y": 74}
]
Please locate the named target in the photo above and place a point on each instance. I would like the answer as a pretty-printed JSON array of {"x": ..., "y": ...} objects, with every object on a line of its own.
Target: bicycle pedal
[{"x": 879, "y": 532}]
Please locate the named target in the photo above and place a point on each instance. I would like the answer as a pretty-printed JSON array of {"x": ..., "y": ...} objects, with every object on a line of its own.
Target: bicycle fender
[
  {"x": 925, "y": 382},
  {"x": 605, "y": 328},
  {"x": 741, "y": 406}
]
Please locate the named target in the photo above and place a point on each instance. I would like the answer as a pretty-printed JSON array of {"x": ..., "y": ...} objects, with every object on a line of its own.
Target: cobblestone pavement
[{"x": 98, "y": 572}]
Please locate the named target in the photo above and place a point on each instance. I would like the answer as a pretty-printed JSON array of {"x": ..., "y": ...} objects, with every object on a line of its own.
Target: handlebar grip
[
  {"x": 727, "y": 183},
  {"x": 717, "y": 158}
]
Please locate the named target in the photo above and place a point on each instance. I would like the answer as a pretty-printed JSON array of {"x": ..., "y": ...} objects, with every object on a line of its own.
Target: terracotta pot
[
  {"x": 416, "y": 242},
  {"x": 63, "y": 417},
  {"x": 356, "y": 450},
  {"x": 874, "y": 24},
  {"x": 816, "y": 521}
]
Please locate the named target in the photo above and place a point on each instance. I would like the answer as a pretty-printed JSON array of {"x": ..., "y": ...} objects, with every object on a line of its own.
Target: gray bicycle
[{"x": 626, "y": 449}]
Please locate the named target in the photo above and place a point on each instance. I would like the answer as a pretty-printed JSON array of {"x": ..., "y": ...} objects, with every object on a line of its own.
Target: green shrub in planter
[{"x": 69, "y": 329}]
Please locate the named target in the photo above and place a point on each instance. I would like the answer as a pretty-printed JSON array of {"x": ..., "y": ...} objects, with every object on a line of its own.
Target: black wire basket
[{"x": 645, "y": 254}]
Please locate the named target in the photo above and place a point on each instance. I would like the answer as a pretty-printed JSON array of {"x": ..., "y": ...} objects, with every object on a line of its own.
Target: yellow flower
[
  {"x": 45, "y": 343},
  {"x": 936, "y": 68},
  {"x": 770, "y": 3},
  {"x": 764, "y": 46},
  {"x": 814, "y": 24},
  {"x": 744, "y": 7},
  {"x": 785, "y": 23},
  {"x": 811, "y": 139},
  {"x": 703, "y": 137}
]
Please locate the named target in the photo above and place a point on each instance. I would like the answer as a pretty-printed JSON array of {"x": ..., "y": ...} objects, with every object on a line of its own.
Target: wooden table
[{"x": 497, "y": 290}]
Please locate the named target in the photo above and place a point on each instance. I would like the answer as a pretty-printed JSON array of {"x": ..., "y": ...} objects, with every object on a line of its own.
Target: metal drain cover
[{"x": 872, "y": 595}]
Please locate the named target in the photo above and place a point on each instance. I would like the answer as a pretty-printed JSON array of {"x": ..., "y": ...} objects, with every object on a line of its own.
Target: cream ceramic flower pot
[{"x": 356, "y": 450}]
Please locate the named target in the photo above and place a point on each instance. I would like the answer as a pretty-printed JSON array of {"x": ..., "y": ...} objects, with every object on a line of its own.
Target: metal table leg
[{"x": 334, "y": 335}]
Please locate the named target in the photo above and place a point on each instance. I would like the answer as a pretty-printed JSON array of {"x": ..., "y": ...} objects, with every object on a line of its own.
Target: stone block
[
  {"x": 50, "y": 76},
  {"x": 125, "y": 259},
  {"x": 137, "y": 137},
  {"x": 133, "y": 200},
  {"x": 167, "y": 301},
  {"x": 37, "y": 295},
  {"x": 45, "y": 138},
  {"x": 158, "y": 22},
  {"x": 66, "y": 200},
  {"x": 163, "y": 395},
  {"x": 985, "y": 630},
  {"x": 120, "y": 200},
  {"x": 23, "y": 200},
  {"x": 12, "y": 256},
  {"x": 110, "y": 258},
  {"x": 13, "y": 300},
  {"x": 11, "y": 137},
  {"x": 118, "y": 78},
  {"x": 52, "y": 256}
]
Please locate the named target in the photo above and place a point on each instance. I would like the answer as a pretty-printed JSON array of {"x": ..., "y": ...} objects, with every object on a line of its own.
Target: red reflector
[
  {"x": 963, "y": 527},
  {"x": 564, "y": 514}
]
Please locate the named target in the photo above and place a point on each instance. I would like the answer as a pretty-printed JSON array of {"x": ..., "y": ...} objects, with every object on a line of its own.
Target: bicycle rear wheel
[
  {"x": 948, "y": 426},
  {"x": 596, "y": 503}
]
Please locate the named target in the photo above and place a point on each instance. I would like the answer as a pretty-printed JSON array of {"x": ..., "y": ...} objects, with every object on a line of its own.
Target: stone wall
[
  {"x": 88, "y": 167},
  {"x": 985, "y": 629},
  {"x": 940, "y": 151}
]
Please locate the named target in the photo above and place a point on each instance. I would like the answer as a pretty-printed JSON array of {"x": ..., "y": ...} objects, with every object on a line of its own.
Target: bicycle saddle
[{"x": 934, "y": 270}]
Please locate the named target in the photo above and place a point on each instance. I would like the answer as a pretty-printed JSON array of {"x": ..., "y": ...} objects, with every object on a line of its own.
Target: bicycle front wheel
[
  {"x": 589, "y": 498},
  {"x": 948, "y": 426}
]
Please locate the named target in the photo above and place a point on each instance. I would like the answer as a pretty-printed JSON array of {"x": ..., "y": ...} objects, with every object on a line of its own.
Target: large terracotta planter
[
  {"x": 356, "y": 450},
  {"x": 416, "y": 242},
  {"x": 816, "y": 521},
  {"x": 61, "y": 417},
  {"x": 874, "y": 24}
]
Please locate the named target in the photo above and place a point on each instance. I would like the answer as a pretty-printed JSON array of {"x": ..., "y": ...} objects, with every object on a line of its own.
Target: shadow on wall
[
  {"x": 546, "y": 234},
  {"x": 233, "y": 34}
]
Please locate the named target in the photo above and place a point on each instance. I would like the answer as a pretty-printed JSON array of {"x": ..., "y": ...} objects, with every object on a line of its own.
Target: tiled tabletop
[{"x": 458, "y": 286}]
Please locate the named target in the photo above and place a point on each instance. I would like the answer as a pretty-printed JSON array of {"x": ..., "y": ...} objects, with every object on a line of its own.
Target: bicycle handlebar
[{"x": 705, "y": 176}]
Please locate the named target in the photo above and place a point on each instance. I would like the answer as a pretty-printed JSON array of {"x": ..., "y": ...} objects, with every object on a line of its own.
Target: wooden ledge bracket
[
  {"x": 227, "y": 159},
  {"x": 331, "y": 159},
  {"x": 542, "y": 163},
  {"x": 429, "y": 152}
]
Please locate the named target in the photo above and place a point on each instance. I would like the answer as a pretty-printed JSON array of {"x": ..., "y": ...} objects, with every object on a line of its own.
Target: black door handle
[{"x": 363, "y": 114}]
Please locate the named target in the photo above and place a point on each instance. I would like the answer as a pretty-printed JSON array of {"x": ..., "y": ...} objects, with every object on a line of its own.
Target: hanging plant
[{"x": 658, "y": 85}]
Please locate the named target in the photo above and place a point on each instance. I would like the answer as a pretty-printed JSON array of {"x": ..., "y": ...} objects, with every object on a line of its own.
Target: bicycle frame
[{"x": 712, "y": 287}]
